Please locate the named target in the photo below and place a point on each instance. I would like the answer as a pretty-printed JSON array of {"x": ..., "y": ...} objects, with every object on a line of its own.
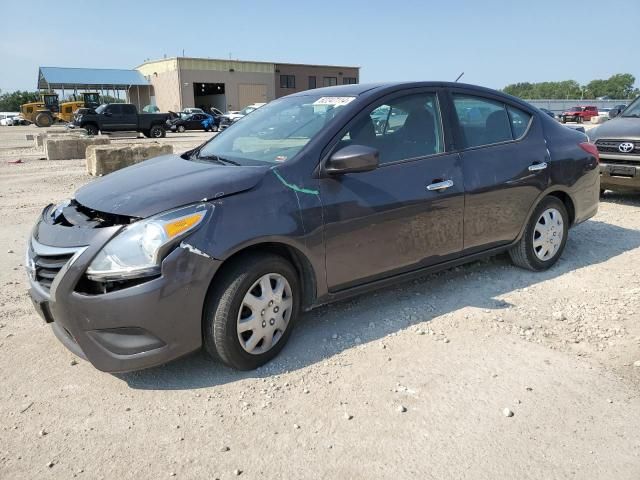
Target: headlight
[{"x": 140, "y": 247}]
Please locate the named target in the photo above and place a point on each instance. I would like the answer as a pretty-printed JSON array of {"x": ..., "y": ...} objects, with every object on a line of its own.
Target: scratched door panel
[{"x": 383, "y": 222}]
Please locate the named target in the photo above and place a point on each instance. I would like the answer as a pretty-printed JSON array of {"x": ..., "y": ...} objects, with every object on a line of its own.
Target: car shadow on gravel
[
  {"x": 327, "y": 331},
  {"x": 632, "y": 199}
]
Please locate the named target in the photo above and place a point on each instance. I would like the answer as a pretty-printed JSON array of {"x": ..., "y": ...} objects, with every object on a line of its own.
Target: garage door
[{"x": 249, "y": 93}]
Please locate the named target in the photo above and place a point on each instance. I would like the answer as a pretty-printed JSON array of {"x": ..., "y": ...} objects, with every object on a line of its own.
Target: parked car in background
[
  {"x": 227, "y": 244},
  {"x": 617, "y": 110},
  {"x": 6, "y": 118},
  {"x": 121, "y": 117},
  {"x": 193, "y": 121},
  {"x": 193, "y": 110},
  {"x": 549, "y": 112},
  {"x": 233, "y": 116},
  {"x": 618, "y": 142},
  {"x": 579, "y": 114}
]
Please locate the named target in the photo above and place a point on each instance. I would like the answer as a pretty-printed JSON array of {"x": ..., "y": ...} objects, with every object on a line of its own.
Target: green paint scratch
[{"x": 293, "y": 187}]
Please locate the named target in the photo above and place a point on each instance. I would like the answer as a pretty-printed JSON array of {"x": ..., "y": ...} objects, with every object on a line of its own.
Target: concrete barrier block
[
  {"x": 70, "y": 147},
  {"x": 38, "y": 140},
  {"x": 104, "y": 159},
  {"x": 599, "y": 119}
]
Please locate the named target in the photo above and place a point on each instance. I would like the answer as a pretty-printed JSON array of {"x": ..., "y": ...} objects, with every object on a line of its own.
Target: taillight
[{"x": 590, "y": 148}]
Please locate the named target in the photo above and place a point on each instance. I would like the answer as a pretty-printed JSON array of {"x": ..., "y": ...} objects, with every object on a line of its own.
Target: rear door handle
[
  {"x": 440, "y": 185},
  {"x": 537, "y": 167}
]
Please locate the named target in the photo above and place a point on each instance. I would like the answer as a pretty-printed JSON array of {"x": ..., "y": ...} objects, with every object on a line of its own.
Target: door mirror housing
[
  {"x": 614, "y": 112},
  {"x": 353, "y": 159},
  {"x": 107, "y": 113}
]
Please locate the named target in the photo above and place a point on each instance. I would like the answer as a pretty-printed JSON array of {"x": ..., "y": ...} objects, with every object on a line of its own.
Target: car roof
[{"x": 364, "y": 88}]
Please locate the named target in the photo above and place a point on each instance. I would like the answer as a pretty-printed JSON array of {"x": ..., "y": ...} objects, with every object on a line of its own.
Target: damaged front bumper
[{"x": 130, "y": 326}]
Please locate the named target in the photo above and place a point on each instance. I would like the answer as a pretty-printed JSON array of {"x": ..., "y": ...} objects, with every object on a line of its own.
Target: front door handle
[
  {"x": 440, "y": 185},
  {"x": 537, "y": 167}
]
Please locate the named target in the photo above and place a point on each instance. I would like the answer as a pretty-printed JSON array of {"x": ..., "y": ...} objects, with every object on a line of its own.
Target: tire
[
  {"x": 225, "y": 306},
  {"x": 563, "y": 120},
  {"x": 523, "y": 254},
  {"x": 91, "y": 129},
  {"x": 180, "y": 129},
  {"x": 157, "y": 132},
  {"x": 579, "y": 120},
  {"x": 44, "y": 119}
]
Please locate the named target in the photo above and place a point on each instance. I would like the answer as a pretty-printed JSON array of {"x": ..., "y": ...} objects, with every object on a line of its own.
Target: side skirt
[{"x": 405, "y": 277}]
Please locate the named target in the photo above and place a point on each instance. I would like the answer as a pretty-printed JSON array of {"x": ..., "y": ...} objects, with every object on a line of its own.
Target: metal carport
[{"x": 96, "y": 79}]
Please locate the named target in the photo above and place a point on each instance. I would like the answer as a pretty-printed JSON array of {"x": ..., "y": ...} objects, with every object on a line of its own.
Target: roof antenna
[{"x": 459, "y": 77}]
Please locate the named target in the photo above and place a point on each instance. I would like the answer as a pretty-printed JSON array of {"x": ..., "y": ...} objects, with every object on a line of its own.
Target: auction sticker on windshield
[{"x": 335, "y": 101}]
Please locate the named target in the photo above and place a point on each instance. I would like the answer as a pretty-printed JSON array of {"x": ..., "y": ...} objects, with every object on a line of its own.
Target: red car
[{"x": 579, "y": 114}]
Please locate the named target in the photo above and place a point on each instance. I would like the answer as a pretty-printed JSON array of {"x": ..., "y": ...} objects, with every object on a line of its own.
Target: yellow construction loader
[{"x": 50, "y": 110}]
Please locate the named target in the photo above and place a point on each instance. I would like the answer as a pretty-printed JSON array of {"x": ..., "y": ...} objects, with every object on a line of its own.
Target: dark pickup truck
[{"x": 121, "y": 117}]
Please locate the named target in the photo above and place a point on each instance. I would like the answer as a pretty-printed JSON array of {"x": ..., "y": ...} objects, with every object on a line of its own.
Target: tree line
[
  {"x": 618, "y": 86},
  {"x": 11, "y": 101}
]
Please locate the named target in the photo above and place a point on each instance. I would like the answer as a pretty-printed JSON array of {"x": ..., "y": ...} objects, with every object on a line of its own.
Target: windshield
[
  {"x": 575, "y": 109},
  {"x": 632, "y": 110},
  {"x": 275, "y": 132}
]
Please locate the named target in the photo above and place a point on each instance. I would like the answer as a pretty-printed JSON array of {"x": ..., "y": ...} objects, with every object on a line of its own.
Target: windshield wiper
[{"x": 216, "y": 158}]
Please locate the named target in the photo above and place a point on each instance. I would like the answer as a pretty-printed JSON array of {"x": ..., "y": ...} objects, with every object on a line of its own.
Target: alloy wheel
[
  {"x": 547, "y": 234},
  {"x": 264, "y": 313}
]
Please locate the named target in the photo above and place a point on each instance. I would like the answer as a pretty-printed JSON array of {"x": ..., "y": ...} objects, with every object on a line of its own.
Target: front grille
[
  {"x": 45, "y": 262},
  {"x": 47, "y": 267},
  {"x": 612, "y": 146}
]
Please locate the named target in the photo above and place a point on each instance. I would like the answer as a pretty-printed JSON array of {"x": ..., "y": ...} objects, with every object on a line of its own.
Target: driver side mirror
[
  {"x": 614, "y": 112},
  {"x": 353, "y": 159},
  {"x": 107, "y": 113}
]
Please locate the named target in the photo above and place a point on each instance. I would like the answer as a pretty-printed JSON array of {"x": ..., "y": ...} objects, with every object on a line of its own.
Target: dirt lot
[{"x": 410, "y": 382}]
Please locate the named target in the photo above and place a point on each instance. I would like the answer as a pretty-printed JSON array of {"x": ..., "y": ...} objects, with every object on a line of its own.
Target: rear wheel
[
  {"x": 157, "y": 132},
  {"x": 44, "y": 119},
  {"x": 251, "y": 311},
  {"x": 544, "y": 237}
]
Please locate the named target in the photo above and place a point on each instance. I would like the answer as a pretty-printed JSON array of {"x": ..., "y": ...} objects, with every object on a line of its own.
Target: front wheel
[
  {"x": 251, "y": 311},
  {"x": 44, "y": 119},
  {"x": 544, "y": 237},
  {"x": 181, "y": 128},
  {"x": 91, "y": 129},
  {"x": 579, "y": 120}
]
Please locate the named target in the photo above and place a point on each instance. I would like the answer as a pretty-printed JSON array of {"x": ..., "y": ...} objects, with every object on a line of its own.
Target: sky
[{"x": 493, "y": 42}]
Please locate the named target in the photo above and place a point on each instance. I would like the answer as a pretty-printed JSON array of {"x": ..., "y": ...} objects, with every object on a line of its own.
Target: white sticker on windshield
[{"x": 335, "y": 101}]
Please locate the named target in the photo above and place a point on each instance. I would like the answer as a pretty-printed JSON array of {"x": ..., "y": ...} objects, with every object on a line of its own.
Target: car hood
[
  {"x": 163, "y": 183},
  {"x": 620, "y": 128}
]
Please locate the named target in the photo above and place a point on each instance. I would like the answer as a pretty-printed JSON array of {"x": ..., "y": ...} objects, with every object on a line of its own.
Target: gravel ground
[{"x": 480, "y": 372}]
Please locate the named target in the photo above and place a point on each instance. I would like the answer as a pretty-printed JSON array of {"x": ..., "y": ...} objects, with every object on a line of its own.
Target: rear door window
[
  {"x": 482, "y": 121},
  {"x": 520, "y": 121},
  {"x": 129, "y": 109}
]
